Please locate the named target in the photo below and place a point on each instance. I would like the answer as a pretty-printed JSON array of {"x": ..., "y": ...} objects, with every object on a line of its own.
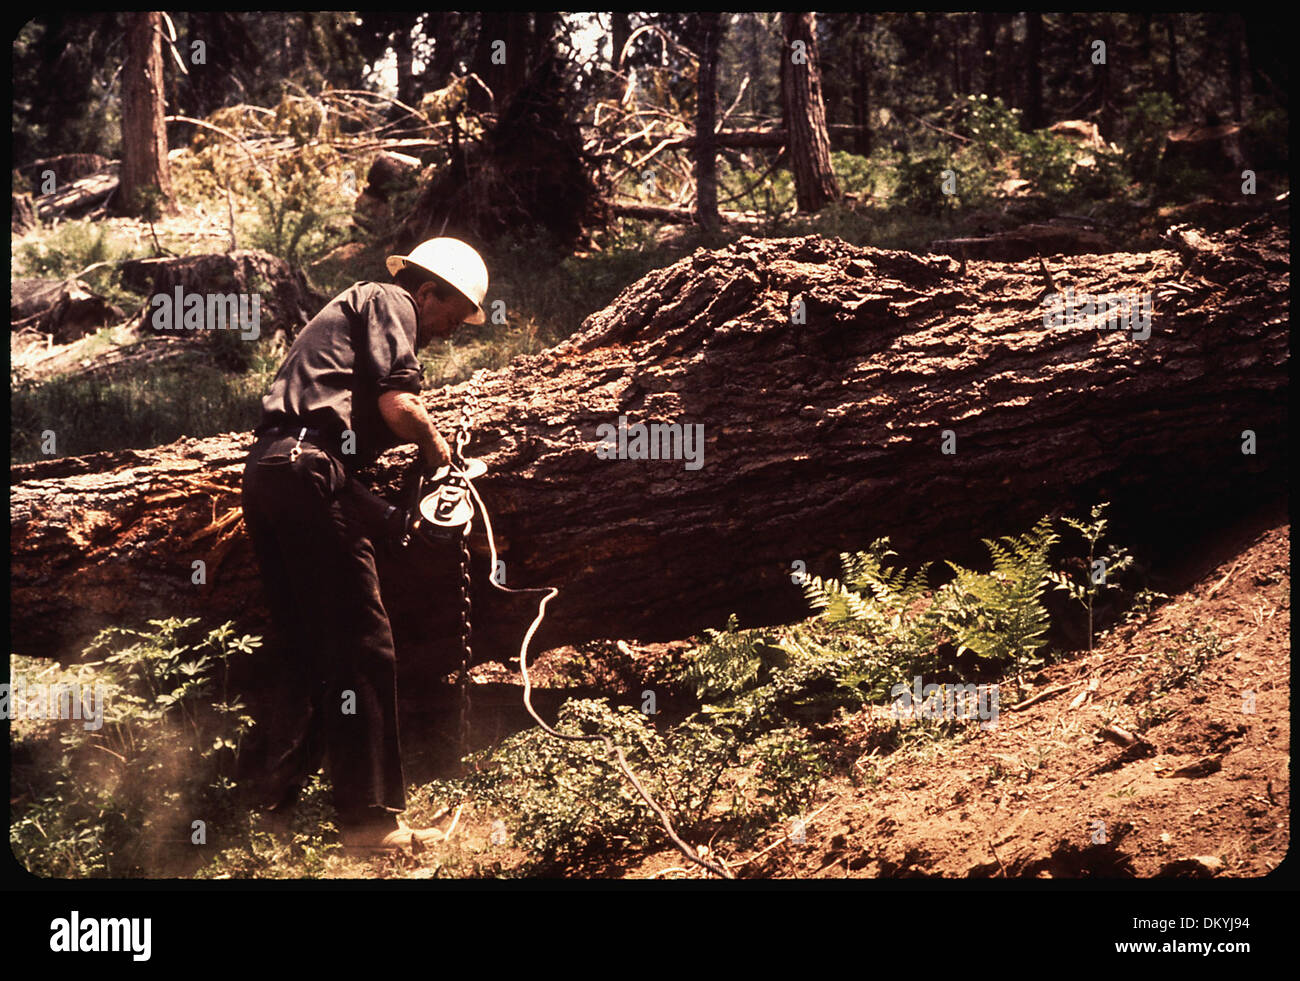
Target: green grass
[{"x": 190, "y": 397}]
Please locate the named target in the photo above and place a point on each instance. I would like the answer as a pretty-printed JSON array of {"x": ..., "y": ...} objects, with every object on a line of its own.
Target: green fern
[
  {"x": 733, "y": 660},
  {"x": 999, "y": 615},
  {"x": 869, "y": 591}
]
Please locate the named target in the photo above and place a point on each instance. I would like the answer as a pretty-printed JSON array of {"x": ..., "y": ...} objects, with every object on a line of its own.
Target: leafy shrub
[
  {"x": 1180, "y": 666},
  {"x": 878, "y": 625},
  {"x": 73, "y": 247},
  {"x": 566, "y": 797},
  {"x": 1097, "y": 579},
  {"x": 1147, "y": 122},
  {"x": 109, "y": 801},
  {"x": 302, "y": 214},
  {"x": 754, "y": 680}
]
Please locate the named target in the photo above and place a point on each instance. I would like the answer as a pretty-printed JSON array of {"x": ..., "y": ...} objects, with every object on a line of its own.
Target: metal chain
[
  {"x": 469, "y": 409},
  {"x": 466, "y": 644}
]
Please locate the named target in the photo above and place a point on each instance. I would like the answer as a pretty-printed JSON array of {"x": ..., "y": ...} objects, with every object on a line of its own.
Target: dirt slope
[{"x": 1041, "y": 795}]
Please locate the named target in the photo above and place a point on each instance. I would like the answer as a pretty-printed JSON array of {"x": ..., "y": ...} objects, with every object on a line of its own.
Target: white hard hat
[{"x": 452, "y": 260}]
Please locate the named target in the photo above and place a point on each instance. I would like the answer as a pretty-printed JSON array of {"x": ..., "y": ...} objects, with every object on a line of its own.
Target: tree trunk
[
  {"x": 1233, "y": 30},
  {"x": 988, "y": 57},
  {"x": 1106, "y": 121},
  {"x": 492, "y": 27},
  {"x": 1172, "y": 84},
  {"x": 620, "y": 31},
  {"x": 1008, "y": 73},
  {"x": 821, "y": 432},
  {"x": 682, "y": 216},
  {"x": 1034, "y": 71},
  {"x": 144, "y": 134},
  {"x": 404, "y": 50},
  {"x": 545, "y": 25},
  {"x": 706, "y": 113},
  {"x": 1269, "y": 52},
  {"x": 862, "y": 85},
  {"x": 805, "y": 114},
  {"x": 438, "y": 74}
]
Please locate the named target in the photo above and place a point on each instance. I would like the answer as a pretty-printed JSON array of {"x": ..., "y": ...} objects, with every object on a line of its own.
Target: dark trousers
[{"x": 318, "y": 566}]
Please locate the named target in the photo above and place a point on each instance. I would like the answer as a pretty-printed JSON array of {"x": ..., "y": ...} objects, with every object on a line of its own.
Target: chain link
[
  {"x": 466, "y": 644},
  {"x": 469, "y": 409}
]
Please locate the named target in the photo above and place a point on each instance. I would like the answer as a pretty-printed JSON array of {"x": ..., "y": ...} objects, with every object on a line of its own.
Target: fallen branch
[
  {"x": 1035, "y": 699},
  {"x": 1222, "y": 582}
]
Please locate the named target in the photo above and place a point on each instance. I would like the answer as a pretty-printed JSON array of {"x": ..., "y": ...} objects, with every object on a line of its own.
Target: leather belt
[{"x": 279, "y": 432}]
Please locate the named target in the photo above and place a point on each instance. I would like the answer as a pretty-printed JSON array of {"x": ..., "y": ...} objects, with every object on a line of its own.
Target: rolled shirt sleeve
[{"x": 390, "y": 341}]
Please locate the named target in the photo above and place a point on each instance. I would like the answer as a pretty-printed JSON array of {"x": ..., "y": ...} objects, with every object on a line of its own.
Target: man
[{"x": 347, "y": 390}]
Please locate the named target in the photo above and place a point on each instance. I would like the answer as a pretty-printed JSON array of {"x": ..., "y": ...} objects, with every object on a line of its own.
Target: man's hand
[
  {"x": 437, "y": 453},
  {"x": 405, "y": 415}
]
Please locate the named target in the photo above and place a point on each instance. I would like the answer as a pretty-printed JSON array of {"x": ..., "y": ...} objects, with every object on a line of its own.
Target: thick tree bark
[
  {"x": 144, "y": 134},
  {"x": 805, "y": 114},
  {"x": 824, "y": 376},
  {"x": 706, "y": 113}
]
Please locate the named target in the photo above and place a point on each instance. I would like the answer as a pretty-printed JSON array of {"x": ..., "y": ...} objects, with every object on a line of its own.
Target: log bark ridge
[{"x": 824, "y": 376}]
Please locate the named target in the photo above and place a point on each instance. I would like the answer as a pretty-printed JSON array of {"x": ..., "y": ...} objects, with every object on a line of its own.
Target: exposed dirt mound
[{"x": 1205, "y": 791}]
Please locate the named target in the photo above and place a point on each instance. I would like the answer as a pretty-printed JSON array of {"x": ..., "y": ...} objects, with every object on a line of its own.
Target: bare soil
[{"x": 1042, "y": 795}]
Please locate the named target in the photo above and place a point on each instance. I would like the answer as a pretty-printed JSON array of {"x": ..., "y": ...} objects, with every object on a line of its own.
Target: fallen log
[
  {"x": 680, "y": 216},
  {"x": 772, "y": 137},
  {"x": 826, "y": 379},
  {"x": 64, "y": 168},
  {"x": 64, "y": 309},
  {"x": 285, "y": 300},
  {"x": 1026, "y": 242},
  {"x": 79, "y": 198}
]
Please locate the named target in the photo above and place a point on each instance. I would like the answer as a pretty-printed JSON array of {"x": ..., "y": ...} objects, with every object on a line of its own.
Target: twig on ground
[
  {"x": 999, "y": 861},
  {"x": 1045, "y": 693},
  {"x": 455, "y": 818},
  {"x": 1222, "y": 582}
]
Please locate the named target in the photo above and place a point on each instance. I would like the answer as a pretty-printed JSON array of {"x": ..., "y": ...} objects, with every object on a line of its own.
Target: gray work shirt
[{"x": 360, "y": 345}]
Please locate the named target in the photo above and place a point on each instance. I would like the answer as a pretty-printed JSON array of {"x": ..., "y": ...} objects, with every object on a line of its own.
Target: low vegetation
[{"x": 151, "y": 792}]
